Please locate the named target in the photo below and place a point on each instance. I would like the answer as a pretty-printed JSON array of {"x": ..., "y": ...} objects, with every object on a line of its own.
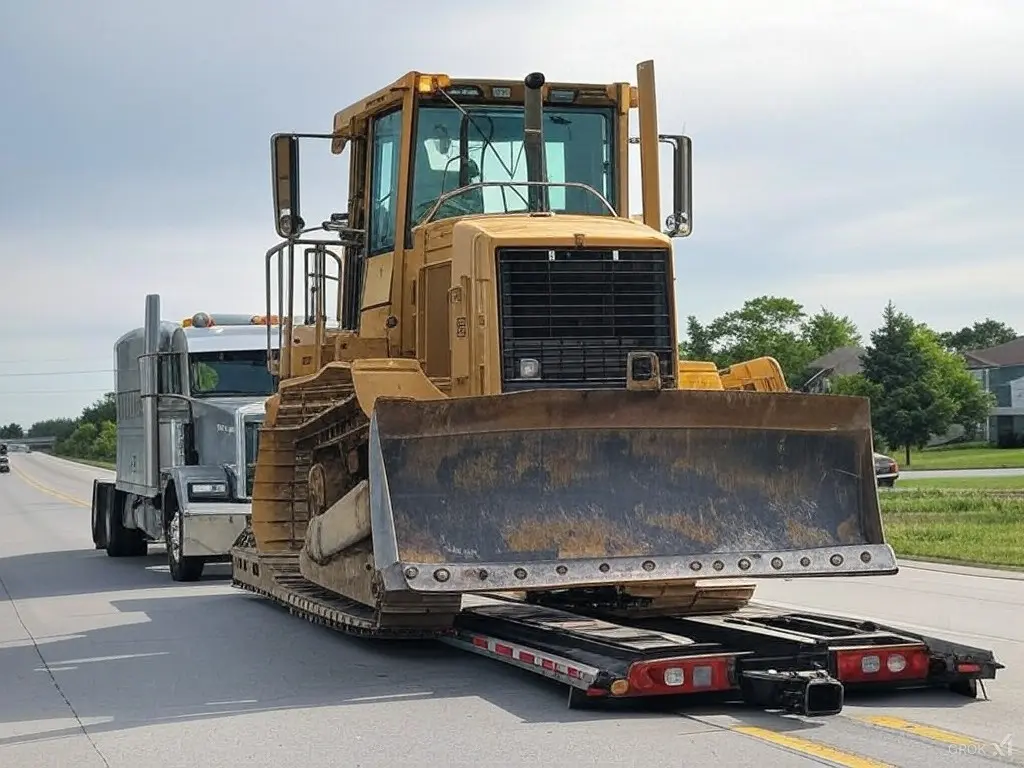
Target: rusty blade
[{"x": 562, "y": 488}]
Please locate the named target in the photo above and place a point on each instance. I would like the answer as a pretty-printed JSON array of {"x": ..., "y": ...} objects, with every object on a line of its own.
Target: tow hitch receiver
[{"x": 813, "y": 693}]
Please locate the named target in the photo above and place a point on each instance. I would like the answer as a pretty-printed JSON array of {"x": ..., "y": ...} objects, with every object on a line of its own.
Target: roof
[
  {"x": 1010, "y": 353},
  {"x": 844, "y": 360}
]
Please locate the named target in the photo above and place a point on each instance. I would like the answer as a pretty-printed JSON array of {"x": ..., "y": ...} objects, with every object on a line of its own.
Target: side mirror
[
  {"x": 680, "y": 222},
  {"x": 284, "y": 161}
]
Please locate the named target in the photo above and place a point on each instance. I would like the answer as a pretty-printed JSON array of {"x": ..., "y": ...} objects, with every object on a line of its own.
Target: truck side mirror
[
  {"x": 680, "y": 222},
  {"x": 284, "y": 161}
]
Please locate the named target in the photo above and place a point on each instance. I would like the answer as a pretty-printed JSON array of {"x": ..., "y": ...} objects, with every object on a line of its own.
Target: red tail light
[
  {"x": 701, "y": 674},
  {"x": 865, "y": 665}
]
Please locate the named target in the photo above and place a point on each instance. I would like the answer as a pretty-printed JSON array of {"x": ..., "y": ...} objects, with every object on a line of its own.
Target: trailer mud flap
[{"x": 559, "y": 488}]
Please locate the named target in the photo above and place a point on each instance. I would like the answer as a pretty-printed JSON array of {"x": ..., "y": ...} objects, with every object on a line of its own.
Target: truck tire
[
  {"x": 121, "y": 541},
  {"x": 181, "y": 568},
  {"x": 99, "y": 527}
]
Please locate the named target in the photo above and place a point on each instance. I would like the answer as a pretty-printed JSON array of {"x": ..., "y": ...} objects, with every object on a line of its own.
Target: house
[
  {"x": 844, "y": 361},
  {"x": 1000, "y": 369}
]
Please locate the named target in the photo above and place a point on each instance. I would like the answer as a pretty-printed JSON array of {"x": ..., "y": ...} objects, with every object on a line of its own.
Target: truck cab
[{"x": 190, "y": 402}]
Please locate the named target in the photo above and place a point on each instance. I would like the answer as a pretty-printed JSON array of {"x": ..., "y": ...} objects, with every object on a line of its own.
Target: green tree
[
  {"x": 982, "y": 334},
  {"x": 104, "y": 447},
  {"x": 12, "y": 431},
  {"x": 60, "y": 429},
  {"x": 825, "y": 331},
  {"x": 698, "y": 344},
  {"x": 855, "y": 385},
  {"x": 103, "y": 409},
  {"x": 766, "y": 325},
  {"x": 773, "y": 326},
  {"x": 953, "y": 380},
  {"x": 80, "y": 442},
  {"x": 911, "y": 404}
]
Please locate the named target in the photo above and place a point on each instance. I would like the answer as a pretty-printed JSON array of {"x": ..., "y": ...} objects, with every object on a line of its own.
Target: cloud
[{"x": 845, "y": 153}]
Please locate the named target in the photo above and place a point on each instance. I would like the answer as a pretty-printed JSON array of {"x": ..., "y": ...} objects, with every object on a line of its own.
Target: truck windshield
[
  {"x": 578, "y": 148},
  {"x": 220, "y": 374}
]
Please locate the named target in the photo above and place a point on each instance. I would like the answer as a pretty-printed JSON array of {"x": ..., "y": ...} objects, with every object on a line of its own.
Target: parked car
[{"x": 886, "y": 470}]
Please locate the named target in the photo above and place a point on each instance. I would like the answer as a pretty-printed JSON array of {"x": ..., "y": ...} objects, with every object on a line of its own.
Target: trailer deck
[{"x": 797, "y": 662}]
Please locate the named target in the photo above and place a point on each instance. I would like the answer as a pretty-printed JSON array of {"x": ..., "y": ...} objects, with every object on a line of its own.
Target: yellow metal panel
[
  {"x": 649, "y": 169},
  {"x": 377, "y": 282}
]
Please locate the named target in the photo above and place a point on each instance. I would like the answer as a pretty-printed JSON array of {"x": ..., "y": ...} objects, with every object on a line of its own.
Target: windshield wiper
[{"x": 467, "y": 120}]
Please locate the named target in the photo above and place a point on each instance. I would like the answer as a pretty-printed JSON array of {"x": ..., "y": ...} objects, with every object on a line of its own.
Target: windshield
[
  {"x": 218, "y": 374},
  {"x": 577, "y": 145}
]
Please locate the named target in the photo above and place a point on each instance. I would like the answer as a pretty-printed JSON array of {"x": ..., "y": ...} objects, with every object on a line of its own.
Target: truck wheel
[
  {"x": 121, "y": 541},
  {"x": 99, "y": 527},
  {"x": 182, "y": 568}
]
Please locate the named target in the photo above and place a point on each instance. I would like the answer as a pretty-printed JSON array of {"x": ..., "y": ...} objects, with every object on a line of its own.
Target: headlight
[
  {"x": 207, "y": 489},
  {"x": 529, "y": 368}
]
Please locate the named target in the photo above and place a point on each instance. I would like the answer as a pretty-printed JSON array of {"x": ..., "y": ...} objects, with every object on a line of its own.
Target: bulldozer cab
[
  {"x": 508, "y": 332},
  {"x": 429, "y": 148}
]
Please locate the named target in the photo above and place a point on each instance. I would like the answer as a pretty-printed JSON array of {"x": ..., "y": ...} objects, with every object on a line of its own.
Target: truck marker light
[
  {"x": 896, "y": 663},
  {"x": 865, "y": 665},
  {"x": 681, "y": 675},
  {"x": 532, "y": 658},
  {"x": 674, "y": 676}
]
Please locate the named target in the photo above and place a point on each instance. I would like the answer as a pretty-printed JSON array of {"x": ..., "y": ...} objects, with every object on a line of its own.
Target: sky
[{"x": 846, "y": 153}]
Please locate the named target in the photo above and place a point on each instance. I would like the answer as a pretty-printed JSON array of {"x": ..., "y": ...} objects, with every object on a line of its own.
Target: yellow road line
[
  {"x": 49, "y": 491},
  {"x": 810, "y": 748},
  {"x": 918, "y": 729}
]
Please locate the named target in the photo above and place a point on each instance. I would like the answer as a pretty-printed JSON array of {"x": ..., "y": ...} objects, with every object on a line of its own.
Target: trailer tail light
[
  {"x": 699, "y": 674},
  {"x": 866, "y": 665}
]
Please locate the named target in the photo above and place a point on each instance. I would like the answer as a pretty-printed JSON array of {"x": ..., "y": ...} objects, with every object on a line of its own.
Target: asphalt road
[{"x": 105, "y": 663}]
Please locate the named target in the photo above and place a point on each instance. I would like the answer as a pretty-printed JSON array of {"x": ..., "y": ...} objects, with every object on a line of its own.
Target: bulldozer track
[{"x": 277, "y": 579}]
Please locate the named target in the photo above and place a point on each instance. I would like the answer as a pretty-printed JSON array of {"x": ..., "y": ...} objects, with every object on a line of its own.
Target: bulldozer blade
[{"x": 550, "y": 489}]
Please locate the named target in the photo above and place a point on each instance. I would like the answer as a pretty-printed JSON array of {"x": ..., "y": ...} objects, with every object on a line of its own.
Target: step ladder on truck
[{"x": 492, "y": 410}]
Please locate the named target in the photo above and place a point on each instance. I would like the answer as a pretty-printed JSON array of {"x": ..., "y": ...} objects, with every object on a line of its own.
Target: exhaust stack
[
  {"x": 533, "y": 141},
  {"x": 148, "y": 386}
]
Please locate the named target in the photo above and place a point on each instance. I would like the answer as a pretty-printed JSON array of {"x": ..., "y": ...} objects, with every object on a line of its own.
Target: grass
[
  {"x": 994, "y": 483},
  {"x": 970, "y": 528},
  {"x": 976, "y": 456},
  {"x": 91, "y": 462}
]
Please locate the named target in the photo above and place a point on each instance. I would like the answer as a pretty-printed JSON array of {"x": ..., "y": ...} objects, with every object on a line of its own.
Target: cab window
[{"x": 385, "y": 148}]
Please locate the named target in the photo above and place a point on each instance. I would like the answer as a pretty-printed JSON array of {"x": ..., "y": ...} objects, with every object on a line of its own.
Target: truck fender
[{"x": 183, "y": 480}]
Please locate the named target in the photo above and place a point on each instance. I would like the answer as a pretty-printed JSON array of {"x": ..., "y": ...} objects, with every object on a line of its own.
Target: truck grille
[{"x": 579, "y": 312}]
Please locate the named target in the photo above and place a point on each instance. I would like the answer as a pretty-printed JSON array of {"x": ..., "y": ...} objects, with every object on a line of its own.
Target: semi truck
[
  {"x": 190, "y": 397},
  {"x": 491, "y": 442}
]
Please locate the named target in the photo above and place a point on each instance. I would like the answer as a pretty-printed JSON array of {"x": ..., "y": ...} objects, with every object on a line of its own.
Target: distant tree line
[
  {"x": 916, "y": 378},
  {"x": 93, "y": 435}
]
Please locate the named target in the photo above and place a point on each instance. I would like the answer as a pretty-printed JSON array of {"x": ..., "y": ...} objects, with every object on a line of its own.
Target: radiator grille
[{"x": 580, "y": 311}]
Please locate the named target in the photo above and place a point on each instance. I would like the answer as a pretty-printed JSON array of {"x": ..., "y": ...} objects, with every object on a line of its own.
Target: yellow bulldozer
[{"x": 491, "y": 403}]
